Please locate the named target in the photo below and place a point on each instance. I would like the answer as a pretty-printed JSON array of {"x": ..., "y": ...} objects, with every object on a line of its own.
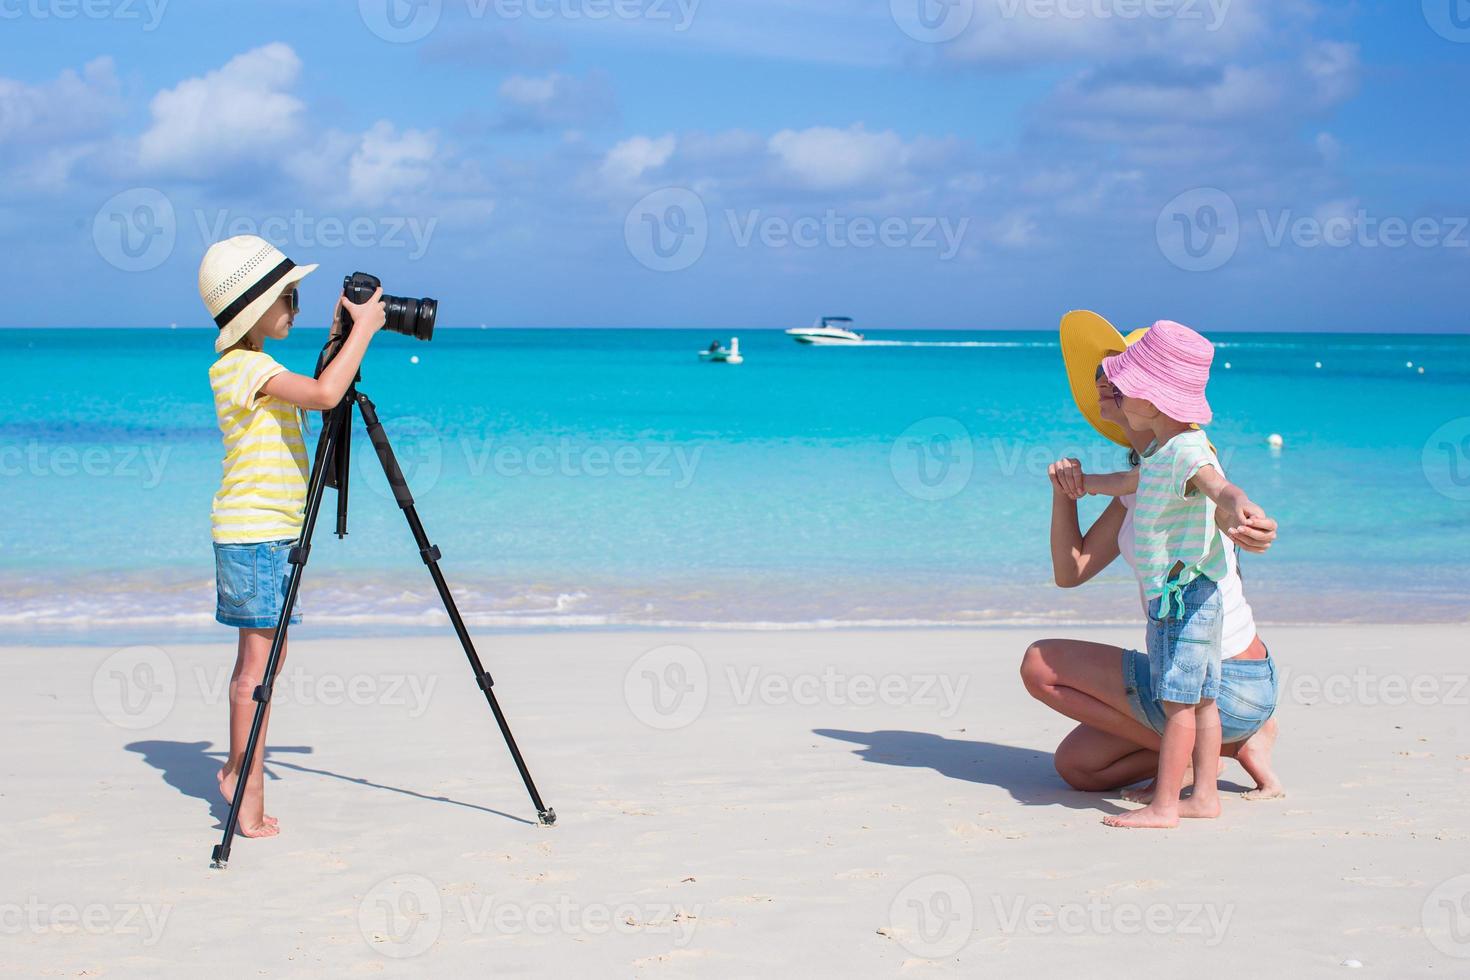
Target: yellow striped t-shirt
[{"x": 262, "y": 496}]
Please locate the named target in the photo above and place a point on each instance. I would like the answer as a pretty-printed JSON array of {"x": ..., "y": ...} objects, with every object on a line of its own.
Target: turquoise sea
[{"x": 595, "y": 478}]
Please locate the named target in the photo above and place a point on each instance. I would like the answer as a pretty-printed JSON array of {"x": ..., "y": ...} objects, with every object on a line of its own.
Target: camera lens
[{"x": 412, "y": 317}]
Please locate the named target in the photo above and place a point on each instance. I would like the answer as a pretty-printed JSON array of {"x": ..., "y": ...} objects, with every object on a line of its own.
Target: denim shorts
[
  {"x": 250, "y": 583},
  {"x": 1248, "y": 693},
  {"x": 1184, "y": 635}
]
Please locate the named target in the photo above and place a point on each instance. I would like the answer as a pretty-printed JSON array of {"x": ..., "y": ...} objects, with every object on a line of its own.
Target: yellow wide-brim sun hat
[{"x": 1086, "y": 339}]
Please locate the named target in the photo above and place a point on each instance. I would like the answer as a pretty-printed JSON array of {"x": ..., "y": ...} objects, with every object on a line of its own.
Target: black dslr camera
[{"x": 411, "y": 317}]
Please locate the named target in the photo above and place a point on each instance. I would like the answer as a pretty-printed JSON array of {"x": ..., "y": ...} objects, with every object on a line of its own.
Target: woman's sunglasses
[
  {"x": 293, "y": 299},
  {"x": 1102, "y": 376}
]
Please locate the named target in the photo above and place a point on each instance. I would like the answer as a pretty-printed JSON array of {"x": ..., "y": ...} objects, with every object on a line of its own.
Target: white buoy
[
  {"x": 1319, "y": 364},
  {"x": 1275, "y": 441},
  {"x": 414, "y": 359},
  {"x": 1409, "y": 364},
  {"x": 1421, "y": 370},
  {"x": 1227, "y": 365}
]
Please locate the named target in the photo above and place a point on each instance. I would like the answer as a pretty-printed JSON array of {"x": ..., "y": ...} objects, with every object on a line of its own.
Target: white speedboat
[
  {"x": 827, "y": 330},
  {"x": 717, "y": 353}
]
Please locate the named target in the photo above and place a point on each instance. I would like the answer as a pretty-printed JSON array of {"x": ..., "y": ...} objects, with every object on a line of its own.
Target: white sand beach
[{"x": 827, "y": 804}]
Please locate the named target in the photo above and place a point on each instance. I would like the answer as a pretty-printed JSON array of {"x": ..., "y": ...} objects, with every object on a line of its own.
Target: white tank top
[{"x": 1240, "y": 625}]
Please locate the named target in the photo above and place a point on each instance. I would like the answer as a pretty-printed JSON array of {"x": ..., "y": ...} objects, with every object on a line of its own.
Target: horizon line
[{"x": 1448, "y": 332}]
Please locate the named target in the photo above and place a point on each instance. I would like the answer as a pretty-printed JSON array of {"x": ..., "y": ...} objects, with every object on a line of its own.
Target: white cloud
[
  {"x": 1232, "y": 92},
  {"x": 241, "y": 111},
  {"x": 72, "y": 105},
  {"x": 387, "y": 163},
  {"x": 532, "y": 93},
  {"x": 48, "y": 130},
  {"x": 545, "y": 102},
  {"x": 1330, "y": 147},
  {"x": 630, "y": 159},
  {"x": 823, "y": 158},
  {"x": 1016, "y": 230},
  {"x": 1011, "y": 33},
  {"x": 1332, "y": 68}
]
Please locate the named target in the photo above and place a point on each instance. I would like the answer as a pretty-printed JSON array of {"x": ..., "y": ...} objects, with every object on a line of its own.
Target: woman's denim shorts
[
  {"x": 1247, "y": 697},
  {"x": 250, "y": 583}
]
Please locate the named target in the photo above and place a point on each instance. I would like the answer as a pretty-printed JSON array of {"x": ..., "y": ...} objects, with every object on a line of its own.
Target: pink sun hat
[{"x": 1169, "y": 366}]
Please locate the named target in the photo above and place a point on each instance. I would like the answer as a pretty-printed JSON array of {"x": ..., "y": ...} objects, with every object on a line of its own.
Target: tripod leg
[
  {"x": 221, "y": 855},
  {"x": 430, "y": 554}
]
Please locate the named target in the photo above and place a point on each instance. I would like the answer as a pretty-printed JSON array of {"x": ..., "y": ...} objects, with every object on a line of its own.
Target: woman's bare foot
[
  {"x": 1148, "y": 818},
  {"x": 227, "y": 779},
  {"x": 1142, "y": 794},
  {"x": 1145, "y": 794},
  {"x": 1255, "y": 757}
]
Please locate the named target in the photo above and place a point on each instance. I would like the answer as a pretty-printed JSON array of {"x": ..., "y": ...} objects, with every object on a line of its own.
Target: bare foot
[
  {"x": 1255, "y": 757},
  {"x": 257, "y": 830},
  {"x": 253, "y": 821},
  {"x": 227, "y": 779},
  {"x": 1149, "y": 817},
  {"x": 1200, "y": 809},
  {"x": 1145, "y": 794}
]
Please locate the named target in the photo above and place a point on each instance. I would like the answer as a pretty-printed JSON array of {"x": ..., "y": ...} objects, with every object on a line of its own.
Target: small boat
[
  {"x": 717, "y": 353},
  {"x": 827, "y": 330}
]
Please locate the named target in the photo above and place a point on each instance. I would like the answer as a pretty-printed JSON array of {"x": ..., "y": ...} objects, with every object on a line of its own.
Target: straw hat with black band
[{"x": 239, "y": 279}]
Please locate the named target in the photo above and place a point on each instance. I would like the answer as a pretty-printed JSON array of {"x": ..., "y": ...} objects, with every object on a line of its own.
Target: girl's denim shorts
[
  {"x": 1184, "y": 643},
  {"x": 1247, "y": 699},
  {"x": 250, "y": 583}
]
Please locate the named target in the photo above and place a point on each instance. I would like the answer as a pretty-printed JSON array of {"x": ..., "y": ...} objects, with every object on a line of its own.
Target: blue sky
[{"x": 1235, "y": 164}]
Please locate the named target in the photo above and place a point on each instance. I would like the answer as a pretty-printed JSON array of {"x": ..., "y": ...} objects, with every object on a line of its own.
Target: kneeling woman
[{"x": 1106, "y": 688}]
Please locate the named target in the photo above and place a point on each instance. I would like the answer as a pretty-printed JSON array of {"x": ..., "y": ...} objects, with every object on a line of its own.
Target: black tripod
[{"x": 330, "y": 468}]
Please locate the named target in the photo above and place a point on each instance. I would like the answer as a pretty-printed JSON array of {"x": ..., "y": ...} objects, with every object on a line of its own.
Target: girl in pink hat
[{"x": 1159, "y": 384}]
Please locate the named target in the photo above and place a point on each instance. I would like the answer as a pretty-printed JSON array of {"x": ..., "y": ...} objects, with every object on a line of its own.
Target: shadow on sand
[
  {"x": 1027, "y": 774},
  {"x": 191, "y": 768}
]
